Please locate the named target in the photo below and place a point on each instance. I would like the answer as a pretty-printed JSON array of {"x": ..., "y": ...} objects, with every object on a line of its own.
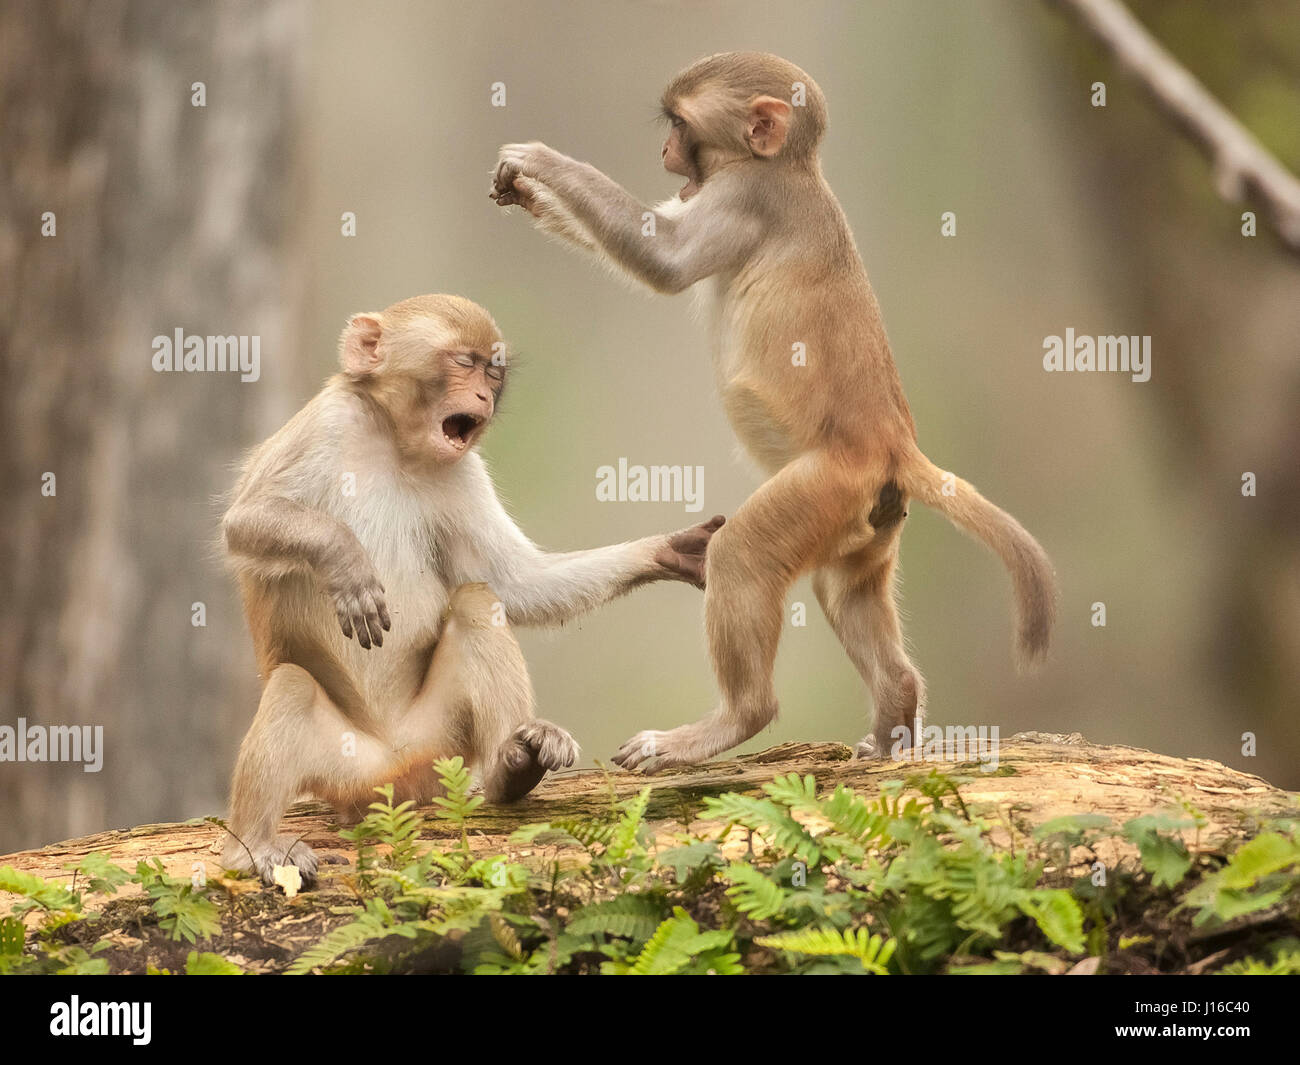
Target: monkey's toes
[
  {"x": 285, "y": 850},
  {"x": 644, "y": 751},
  {"x": 549, "y": 745},
  {"x": 869, "y": 748}
]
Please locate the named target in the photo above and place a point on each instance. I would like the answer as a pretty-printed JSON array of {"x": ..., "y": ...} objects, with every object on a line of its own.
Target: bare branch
[{"x": 1243, "y": 168}]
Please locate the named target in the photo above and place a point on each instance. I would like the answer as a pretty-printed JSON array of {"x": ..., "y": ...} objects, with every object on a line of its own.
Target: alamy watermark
[
  {"x": 951, "y": 743},
  {"x": 53, "y": 743},
  {"x": 1108, "y": 354},
  {"x": 651, "y": 484},
  {"x": 211, "y": 354}
]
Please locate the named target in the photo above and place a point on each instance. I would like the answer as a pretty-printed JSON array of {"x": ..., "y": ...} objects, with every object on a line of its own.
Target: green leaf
[
  {"x": 1267, "y": 853},
  {"x": 684, "y": 860},
  {"x": 872, "y": 951},
  {"x": 634, "y": 917},
  {"x": 101, "y": 875},
  {"x": 673, "y": 947},
  {"x": 1164, "y": 857},
  {"x": 13, "y": 934},
  {"x": 755, "y": 895},
  {"x": 38, "y": 892},
  {"x": 207, "y": 964},
  {"x": 1057, "y": 915},
  {"x": 767, "y": 818}
]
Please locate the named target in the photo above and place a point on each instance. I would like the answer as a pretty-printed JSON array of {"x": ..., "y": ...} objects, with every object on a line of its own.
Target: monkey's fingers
[
  {"x": 359, "y": 624},
  {"x": 372, "y": 621},
  {"x": 503, "y": 181}
]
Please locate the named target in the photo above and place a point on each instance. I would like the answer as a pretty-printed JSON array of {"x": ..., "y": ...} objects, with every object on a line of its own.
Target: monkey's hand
[
  {"x": 682, "y": 555},
  {"x": 358, "y": 600},
  {"x": 515, "y": 161}
]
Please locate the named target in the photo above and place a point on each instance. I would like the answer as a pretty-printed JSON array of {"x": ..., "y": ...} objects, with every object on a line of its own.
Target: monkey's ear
[
  {"x": 359, "y": 347},
  {"x": 768, "y": 126}
]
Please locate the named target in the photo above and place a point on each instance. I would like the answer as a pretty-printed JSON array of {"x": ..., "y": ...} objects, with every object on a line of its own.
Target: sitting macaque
[
  {"x": 808, "y": 382},
  {"x": 380, "y": 575}
]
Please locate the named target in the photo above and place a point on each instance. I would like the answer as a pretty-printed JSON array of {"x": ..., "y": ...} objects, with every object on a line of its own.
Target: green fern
[
  {"x": 1283, "y": 960},
  {"x": 396, "y": 827},
  {"x": 678, "y": 946},
  {"x": 624, "y": 841},
  {"x": 206, "y": 964},
  {"x": 457, "y": 804},
  {"x": 872, "y": 951},
  {"x": 632, "y": 917},
  {"x": 754, "y": 894},
  {"x": 1261, "y": 873},
  {"x": 767, "y": 818},
  {"x": 183, "y": 912},
  {"x": 374, "y": 922},
  {"x": 1057, "y": 915}
]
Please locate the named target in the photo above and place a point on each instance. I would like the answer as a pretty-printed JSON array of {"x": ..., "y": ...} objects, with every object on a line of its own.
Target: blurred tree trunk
[
  {"x": 1223, "y": 312},
  {"x": 168, "y": 216}
]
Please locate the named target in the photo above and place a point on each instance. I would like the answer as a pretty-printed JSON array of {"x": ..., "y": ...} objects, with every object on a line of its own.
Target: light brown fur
[
  {"x": 381, "y": 577},
  {"x": 835, "y": 436}
]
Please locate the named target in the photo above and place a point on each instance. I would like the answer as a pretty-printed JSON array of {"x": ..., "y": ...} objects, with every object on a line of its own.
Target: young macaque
[
  {"x": 380, "y": 575},
  {"x": 807, "y": 380}
]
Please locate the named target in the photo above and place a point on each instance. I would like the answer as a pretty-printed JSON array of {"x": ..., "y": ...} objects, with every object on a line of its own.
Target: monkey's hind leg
[
  {"x": 295, "y": 744},
  {"x": 857, "y": 596},
  {"x": 478, "y": 682},
  {"x": 791, "y": 523}
]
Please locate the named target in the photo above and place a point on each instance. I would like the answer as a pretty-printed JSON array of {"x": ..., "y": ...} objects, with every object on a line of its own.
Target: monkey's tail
[{"x": 1032, "y": 576}]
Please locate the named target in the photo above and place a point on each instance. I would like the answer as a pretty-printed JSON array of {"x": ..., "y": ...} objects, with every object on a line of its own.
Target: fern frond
[
  {"x": 872, "y": 951},
  {"x": 764, "y": 816},
  {"x": 633, "y": 917},
  {"x": 754, "y": 894},
  {"x": 623, "y": 840}
]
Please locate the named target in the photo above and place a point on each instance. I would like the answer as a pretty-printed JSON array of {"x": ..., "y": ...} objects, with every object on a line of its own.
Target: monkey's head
[
  {"x": 739, "y": 106},
  {"x": 433, "y": 367}
]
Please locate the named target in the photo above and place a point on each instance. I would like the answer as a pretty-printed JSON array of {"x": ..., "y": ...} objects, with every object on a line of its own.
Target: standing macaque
[
  {"x": 807, "y": 380},
  {"x": 371, "y": 515}
]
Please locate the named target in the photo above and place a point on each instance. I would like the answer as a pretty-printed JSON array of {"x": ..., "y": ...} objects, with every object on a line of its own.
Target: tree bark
[
  {"x": 1039, "y": 776},
  {"x": 167, "y": 215}
]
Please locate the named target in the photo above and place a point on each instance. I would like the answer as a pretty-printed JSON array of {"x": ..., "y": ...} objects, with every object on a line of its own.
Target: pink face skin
[
  {"x": 678, "y": 158},
  {"x": 460, "y": 414}
]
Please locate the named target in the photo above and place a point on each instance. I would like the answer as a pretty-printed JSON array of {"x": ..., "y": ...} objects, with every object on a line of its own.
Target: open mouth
[{"x": 458, "y": 429}]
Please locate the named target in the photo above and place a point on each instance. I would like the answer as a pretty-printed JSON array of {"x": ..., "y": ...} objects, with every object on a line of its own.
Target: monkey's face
[
  {"x": 462, "y": 402},
  {"x": 679, "y": 156}
]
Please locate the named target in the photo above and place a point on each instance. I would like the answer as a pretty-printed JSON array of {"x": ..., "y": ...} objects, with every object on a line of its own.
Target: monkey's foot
[
  {"x": 283, "y": 850},
  {"x": 525, "y": 757},
  {"x": 868, "y": 748},
  {"x": 652, "y": 750}
]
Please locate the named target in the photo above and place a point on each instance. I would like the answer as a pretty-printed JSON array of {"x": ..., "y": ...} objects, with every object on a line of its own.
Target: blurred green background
[{"x": 1068, "y": 216}]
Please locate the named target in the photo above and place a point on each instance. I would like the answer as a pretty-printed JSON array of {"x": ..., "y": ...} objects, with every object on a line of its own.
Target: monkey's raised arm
[
  {"x": 679, "y": 249},
  {"x": 544, "y": 588},
  {"x": 270, "y": 536}
]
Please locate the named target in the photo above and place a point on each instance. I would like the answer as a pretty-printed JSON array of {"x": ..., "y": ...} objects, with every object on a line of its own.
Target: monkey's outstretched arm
[
  {"x": 667, "y": 251},
  {"x": 271, "y": 536},
  {"x": 550, "y": 214},
  {"x": 543, "y": 588}
]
